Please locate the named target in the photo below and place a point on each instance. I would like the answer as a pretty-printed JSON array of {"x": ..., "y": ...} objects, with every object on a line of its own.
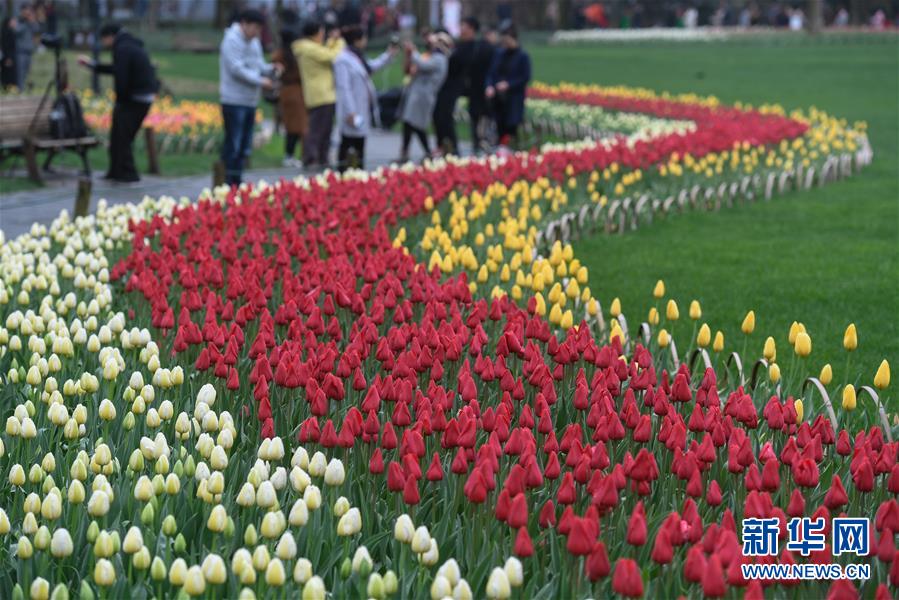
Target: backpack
[{"x": 66, "y": 118}]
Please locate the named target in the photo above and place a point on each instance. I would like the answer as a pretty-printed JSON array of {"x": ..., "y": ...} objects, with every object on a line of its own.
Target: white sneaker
[{"x": 292, "y": 163}]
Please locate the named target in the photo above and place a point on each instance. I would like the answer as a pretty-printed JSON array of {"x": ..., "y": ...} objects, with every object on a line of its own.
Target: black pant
[
  {"x": 317, "y": 142},
  {"x": 444, "y": 124},
  {"x": 290, "y": 144},
  {"x": 408, "y": 130},
  {"x": 351, "y": 153},
  {"x": 127, "y": 118},
  {"x": 477, "y": 109}
]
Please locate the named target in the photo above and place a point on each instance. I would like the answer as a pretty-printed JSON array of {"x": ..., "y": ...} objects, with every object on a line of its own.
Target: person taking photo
[{"x": 135, "y": 87}]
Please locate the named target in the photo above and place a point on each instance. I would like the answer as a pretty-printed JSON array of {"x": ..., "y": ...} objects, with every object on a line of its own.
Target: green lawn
[{"x": 825, "y": 257}]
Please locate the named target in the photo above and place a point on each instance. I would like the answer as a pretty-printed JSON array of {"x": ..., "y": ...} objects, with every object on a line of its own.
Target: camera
[{"x": 51, "y": 41}]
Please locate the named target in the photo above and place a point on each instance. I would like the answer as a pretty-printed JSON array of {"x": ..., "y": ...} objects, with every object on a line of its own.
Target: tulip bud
[
  {"x": 404, "y": 529},
  {"x": 440, "y": 588},
  {"x": 42, "y": 538},
  {"x": 60, "y": 592},
  {"x": 40, "y": 589},
  {"x": 770, "y": 350},
  {"x": 141, "y": 559},
  {"x": 695, "y": 310},
  {"x": 803, "y": 345},
  {"x": 157, "y": 569},
  {"x": 250, "y": 536},
  {"x": 346, "y": 568},
  {"x": 178, "y": 572},
  {"x": 774, "y": 372},
  {"x": 217, "y": 519},
  {"x": 498, "y": 585},
  {"x": 312, "y": 497},
  {"x": 302, "y": 571},
  {"x": 849, "y": 398},
  {"x": 704, "y": 336},
  {"x": 134, "y": 540},
  {"x": 194, "y": 582},
  {"x": 148, "y": 514},
  {"x": 318, "y": 464},
  {"x": 514, "y": 571},
  {"x": 659, "y": 290},
  {"x": 748, "y": 325},
  {"x": 671, "y": 311},
  {"x": 826, "y": 374},
  {"x": 882, "y": 377},
  {"x": 663, "y": 338},
  {"x": 180, "y": 544},
  {"x": 362, "y": 560},
  {"x": 169, "y": 526},
  {"x": 341, "y": 505},
  {"x": 85, "y": 592},
  {"x": 334, "y": 473},
  {"x": 799, "y": 407},
  {"x": 214, "y": 570},
  {"x": 350, "y": 523},
  {"x": 375, "y": 588},
  {"x": 104, "y": 573},
  {"x": 314, "y": 589},
  {"x": 850, "y": 338}
]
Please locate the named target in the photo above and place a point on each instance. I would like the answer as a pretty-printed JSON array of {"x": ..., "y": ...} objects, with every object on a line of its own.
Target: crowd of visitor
[{"x": 322, "y": 80}]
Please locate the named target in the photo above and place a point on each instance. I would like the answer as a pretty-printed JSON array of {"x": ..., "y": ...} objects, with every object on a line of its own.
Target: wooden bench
[{"x": 25, "y": 130}]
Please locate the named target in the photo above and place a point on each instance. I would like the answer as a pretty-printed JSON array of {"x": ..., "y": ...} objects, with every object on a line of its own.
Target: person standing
[
  {"x": 477, "y": 55},
  {"x": 243, "y": 72},
  {"x": 427, "y": 70},
  {"x": 135, "y": 86},
  {"x": 507, "y": 83},
  {"x": 357, "y": 99},
  {"x": 27, "y": 28},
  {"x": 291, "y": 106},
  {"x": 316, "y": 61},
  {"x": 445, "y": 108},
  {"x": 8, "y": 76}
]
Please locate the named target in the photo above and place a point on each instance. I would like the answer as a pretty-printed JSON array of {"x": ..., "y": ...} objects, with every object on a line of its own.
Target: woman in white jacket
[{"x": 357, "y": 99}]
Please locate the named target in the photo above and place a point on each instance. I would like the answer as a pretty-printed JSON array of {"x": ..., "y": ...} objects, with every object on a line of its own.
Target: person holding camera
[
  {"x": 135, "y": 89},
  {"x": 357, "y": 99},
  {"x": 427, "y": 71},
  {"x": 316, "y": 58},
  {"x": 243, "y": 73},
  {"x": 507, "y": 82}
]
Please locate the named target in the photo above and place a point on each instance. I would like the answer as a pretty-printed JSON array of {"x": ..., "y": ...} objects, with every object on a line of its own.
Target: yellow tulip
[
  {"x": 774, "y": 373},
  {"x": 850, "y": 338},
  {"x": 849, "y": 399},
  {"x": 695, "y": 310},
  {"x": 653, "y": 316},
  {"x": 615, "y": 308},
  {"x": 718, "y": 344},
  {"x": 659, "y": 289},
  {"x": 704, "y": 336},
  {"x": 800, "y": 410},
  {"x": 803, "y": 345},
  {"x": 663, "y": 338},
  {"x": 671, "y": 311},
  {"x": 770, "y": 350},
  {"x": 826, "y": 374},
  {"x": 882, "y": 377},
  {"x": 794, "y": 331},
  {"x": 748, "y": 325}
]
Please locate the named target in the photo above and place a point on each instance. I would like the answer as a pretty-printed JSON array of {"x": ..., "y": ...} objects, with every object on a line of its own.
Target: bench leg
[
  {"x": 51, "y": 153},
  {"x": 85, "y": 161},
  {"x": 29, "y": 151}
]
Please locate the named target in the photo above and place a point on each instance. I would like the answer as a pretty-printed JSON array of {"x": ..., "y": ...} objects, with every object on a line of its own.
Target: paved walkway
[{"x": 20, "y": 209}]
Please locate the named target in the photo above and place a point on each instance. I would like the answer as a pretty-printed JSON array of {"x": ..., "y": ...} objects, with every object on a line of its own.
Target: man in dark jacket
[
  {"x": 477, "y": 55},
  {"x": 452, "y": 88},
  {"x": 135, "y": 90},
  {"x": 507, "y": 83}
]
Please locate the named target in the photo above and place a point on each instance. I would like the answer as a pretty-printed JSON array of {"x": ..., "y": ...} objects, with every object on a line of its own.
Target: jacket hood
[{"x": 125, "y": 37}]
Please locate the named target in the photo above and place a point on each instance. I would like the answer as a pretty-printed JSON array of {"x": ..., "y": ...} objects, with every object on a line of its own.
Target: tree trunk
[
  {"x": 815, "y": 16},
  {"x": 222, "y": 13}
]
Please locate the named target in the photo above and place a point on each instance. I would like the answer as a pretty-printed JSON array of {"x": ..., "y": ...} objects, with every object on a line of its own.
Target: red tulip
[
  {"x": 547, "y": 516},
  {"x": 636, "y": 527},
  {"x": 713, "y": 497},
  {"x": 597, "y": 563},
  {"x": 662, "y": 549},
  {"x": 410, "y": 491},
  {"x": 518, "y": 512},
  {"x": 523, "y": 545},
  {"x": 627, "y": 579},
  {"x": 842, "y": 589},
  {"x": 713, "y": 584},
  {"x": 886, "y": 546},
  {"x": 836, "y": 496},
  {"x": 581, "y": 536},
  {"x": 695, "y": 564}
]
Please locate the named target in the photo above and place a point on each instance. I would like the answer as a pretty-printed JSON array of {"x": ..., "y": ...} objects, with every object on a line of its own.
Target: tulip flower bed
[
  {"x": 312, "y": 388},
  {"x": 180, "y": 126}
]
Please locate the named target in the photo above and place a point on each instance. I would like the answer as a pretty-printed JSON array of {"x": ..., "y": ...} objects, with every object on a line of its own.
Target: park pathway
[{"x": 19, "y": 210}]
